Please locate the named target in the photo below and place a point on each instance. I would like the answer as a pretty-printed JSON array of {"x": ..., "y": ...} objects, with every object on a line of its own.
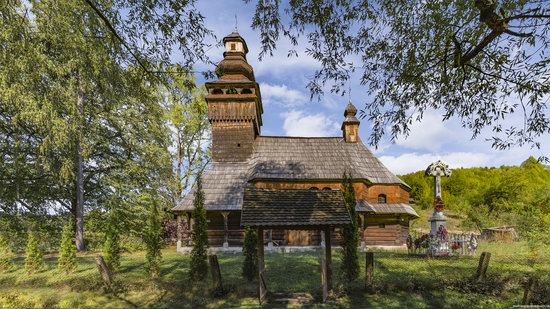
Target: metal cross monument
[{"x": 437, "y": 170}]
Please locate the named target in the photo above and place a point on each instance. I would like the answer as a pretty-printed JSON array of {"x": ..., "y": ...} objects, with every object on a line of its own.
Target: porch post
[
  {"x": 225, "y": 214},
  {"x": 270, "y": 240},
  {"x": 362, "y": 229},
  {"x": 262, "y": 290},
  {"x": 179, "y": 233},
  {"x": 328, "y": 253},
  {"x": 189, "y": 227}
]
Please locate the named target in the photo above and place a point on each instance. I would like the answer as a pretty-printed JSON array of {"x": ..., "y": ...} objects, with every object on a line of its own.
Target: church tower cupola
[
  {"x": 350, "y": 126},
  {"x": 234, "y": 104}
]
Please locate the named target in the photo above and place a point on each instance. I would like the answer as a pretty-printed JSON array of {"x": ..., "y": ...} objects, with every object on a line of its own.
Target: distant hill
[{"x": 487, "y": 196}]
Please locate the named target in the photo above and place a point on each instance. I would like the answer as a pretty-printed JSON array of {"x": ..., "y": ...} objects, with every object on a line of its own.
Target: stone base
[
  {"x": 287, "y": 249},
  {"x": 436, "y": 220}
]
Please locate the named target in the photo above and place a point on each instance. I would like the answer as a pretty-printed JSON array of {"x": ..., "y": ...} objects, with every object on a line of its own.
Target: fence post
[
  {"x": 528, "y": 291},
  {"x": 104, "y": 270},
  {"x": 216, "y": 273},
  {"x": 369, "y": 271},
  {"x": 483, "y": 265}
]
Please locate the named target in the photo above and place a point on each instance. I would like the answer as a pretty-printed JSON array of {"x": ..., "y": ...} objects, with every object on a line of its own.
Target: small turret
[{"x": 350, "y": 126}]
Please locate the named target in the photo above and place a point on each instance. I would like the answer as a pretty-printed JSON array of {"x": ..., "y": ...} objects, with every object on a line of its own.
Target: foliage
[
  {"x": 6, "y": 255},
  {"x": 508, "y": 195},
  {"x": 67, "y": 250},
  {"x": 153, "y": 239},
  {"x": 199, "y": 266},
  {"x": 34, "y": 260},
  {"x": 413, "y": 56},
  {"x": 111, "y": 244},
  {"x": 350, "y": 233},
  {"x": 186, "y": 112},
  {"x": 250, "y": 252},
  {"x": 80, "y": 118}
]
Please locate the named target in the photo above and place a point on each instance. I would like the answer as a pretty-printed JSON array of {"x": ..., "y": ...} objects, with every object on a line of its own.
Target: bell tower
[{"x": 234, "y": 104}]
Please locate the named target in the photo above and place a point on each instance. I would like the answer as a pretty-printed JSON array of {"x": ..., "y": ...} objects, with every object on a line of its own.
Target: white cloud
[
  {"x": 429, "y": 134},
  {"x": 282, "y": 95},
  {"x": 412, "y": 162},
  {"x": 298, "y": 123}
]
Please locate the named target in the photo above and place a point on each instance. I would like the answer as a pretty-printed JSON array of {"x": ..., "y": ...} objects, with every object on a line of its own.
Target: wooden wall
[{"x": 394, "y": 232}]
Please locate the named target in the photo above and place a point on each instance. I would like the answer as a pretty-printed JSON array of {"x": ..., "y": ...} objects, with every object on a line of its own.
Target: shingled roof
[
  {"x": 288, "y": 158},
  {"x": 378, "y": 208},
  {"x": 316, "y": 158},
  {"x": 278, "y": 208},
  {"x": 223, "y": 186}
]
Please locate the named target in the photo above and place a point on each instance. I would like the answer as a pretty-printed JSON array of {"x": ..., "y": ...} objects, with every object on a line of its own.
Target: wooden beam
[
  {"x": 328, "y": 257},
  {"x": 369, "y": 271},
  {"x": 225, "y": 214},
  {"x": 262, "y": 289}
]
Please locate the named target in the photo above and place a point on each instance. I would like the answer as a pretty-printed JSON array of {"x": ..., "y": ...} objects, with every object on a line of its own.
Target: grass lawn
[{"x": 401, "y": 281}]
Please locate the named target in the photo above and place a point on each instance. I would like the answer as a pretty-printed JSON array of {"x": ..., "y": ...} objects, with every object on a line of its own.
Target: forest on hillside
[{"x": 492, "y": 196}]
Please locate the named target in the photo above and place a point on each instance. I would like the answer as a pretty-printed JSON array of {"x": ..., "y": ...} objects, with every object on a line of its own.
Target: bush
[
  {"x": 153, "y": 239},
  {"x": 6, "y": 255},
  {"x": 250, "y": 252},
  {"x": 350, "y": 257},
  {"x": 111, "y": 245},
  {"x": 199, "y": 266},
  {"x": 67, "y": 250},
  {"x": 34, "y": 258}
]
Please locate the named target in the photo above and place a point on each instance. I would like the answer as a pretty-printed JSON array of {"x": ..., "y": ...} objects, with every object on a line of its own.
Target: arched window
[
  {"x": 217, "y": 91},
  {"x": 327, "y": 188},
  {"x": 382, "y": 199},
  {"x": 314, "y": 188},
  {"x": 246, "y": 91}
]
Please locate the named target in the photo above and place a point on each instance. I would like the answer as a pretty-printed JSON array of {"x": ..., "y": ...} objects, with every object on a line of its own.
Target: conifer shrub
[
  {"x": 6, "y": 255},
  {"x": 111, "y": 245},
  {"x": 34, "y": 260},
  {"x": 153, "y": 238},
  {"x": 350, "y": 257},
  {"x": 199, "y": 266},
  {"x": 67, "y": 250},
  {"x": 250, "y": 252}
]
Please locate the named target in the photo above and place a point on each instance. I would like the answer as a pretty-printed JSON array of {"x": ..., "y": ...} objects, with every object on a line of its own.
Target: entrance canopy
[
  {"x": 294, "y": 209},
  {"x": 298, "y": 209}
]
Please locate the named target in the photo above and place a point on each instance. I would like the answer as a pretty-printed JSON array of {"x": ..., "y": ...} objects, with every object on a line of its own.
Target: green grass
[{"x": 400, "y": 281}]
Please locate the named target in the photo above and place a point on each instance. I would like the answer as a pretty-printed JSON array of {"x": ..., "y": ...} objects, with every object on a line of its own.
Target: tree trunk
[
  {"x": 178, "y": 171},
  {"x": 79, "y": 162}
]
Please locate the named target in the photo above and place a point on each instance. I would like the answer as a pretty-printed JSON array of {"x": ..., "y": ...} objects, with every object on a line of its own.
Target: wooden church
[{"x": 255, "y": 170}]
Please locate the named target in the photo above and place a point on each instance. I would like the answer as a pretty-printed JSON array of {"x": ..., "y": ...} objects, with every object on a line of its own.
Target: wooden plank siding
[{"x": 394, "y": 232}]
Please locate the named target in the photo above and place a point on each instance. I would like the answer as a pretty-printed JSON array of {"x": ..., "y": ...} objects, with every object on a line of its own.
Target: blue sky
[{"x": 289, "y": 111}]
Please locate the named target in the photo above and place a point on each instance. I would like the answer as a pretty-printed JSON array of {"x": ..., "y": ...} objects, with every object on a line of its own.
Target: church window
[
  {"x": 327, "y": 188},
  {"x": 246, "y": 91},
  {"x": 238, "y": 145},
  {"x": 233, "y": 46},
  {"x": 217, "y": 91},
  {"x": 382, "y": 199},
  {"x": 314, "y": 188}
]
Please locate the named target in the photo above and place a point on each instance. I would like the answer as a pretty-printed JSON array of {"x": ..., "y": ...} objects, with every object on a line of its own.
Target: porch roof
[{"x": 298, "y": 208}]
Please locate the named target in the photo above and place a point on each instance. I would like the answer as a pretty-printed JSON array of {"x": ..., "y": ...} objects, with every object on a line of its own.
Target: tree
[
  {"x": 67, "y": 249},
  {"x": 6, "y": 255},
  {"x": 33, "y": 254},
  {"x": 250, "y": 252},
  {"x": 111, "y": 245},
  {"x": 187, "y": 116},
  {"x": 350, "y": 258},
  {"x": 153, "y": 238},
  {"x": 78, "y": 104},
  {"x": 199, "y": 266},
  {"x": 479, "y": 61}
]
